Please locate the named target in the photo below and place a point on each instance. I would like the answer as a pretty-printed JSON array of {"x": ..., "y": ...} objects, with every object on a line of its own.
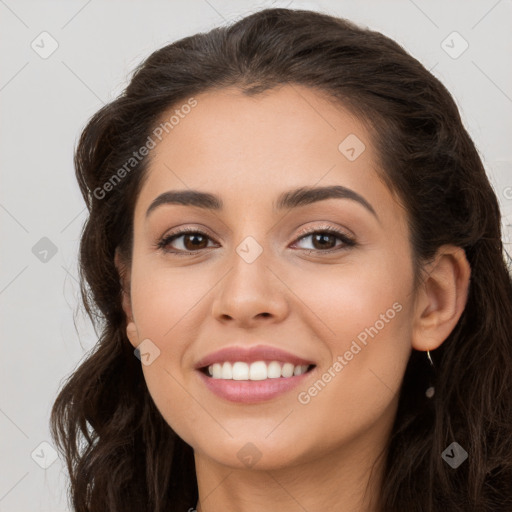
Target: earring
[
  {"x": 430, "y": 359},
  {"x": 429, "y": 393}
]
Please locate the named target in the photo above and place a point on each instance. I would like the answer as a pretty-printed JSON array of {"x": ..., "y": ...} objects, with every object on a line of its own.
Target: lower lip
[{"x": 252, "y": 391}]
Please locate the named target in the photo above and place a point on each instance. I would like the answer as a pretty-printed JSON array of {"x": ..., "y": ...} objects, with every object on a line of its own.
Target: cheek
[
  {"x": 168, "y": 305},
  {"x": 163, "y": 299},
  {"x": 366, "y": 325},
  {"x": 160, "y": 309},
  {"x": 354, "y": 298}
]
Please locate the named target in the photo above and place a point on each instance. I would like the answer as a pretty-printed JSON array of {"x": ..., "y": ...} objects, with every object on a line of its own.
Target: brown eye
[
  {"x": 194, "y": 241},
  {"x": 324, "y": 240},
  {"x": 185, "y": 242}
]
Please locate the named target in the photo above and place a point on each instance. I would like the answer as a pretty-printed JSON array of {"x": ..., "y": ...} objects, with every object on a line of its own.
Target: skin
[{"x": 318, "y": 455}]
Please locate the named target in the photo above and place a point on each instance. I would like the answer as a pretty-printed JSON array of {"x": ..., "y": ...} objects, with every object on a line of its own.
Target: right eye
[{"x": 193, "y": 241}]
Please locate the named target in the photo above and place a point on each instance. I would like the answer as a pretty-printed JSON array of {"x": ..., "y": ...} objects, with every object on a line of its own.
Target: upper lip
[{"x": 250, "y": 355}]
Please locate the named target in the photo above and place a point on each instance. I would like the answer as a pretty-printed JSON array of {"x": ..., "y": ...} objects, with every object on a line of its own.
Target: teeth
[
  {"x": 274, "y": 370},
  {"x": 217, "y": 371},
  {"x": 227, "y": 371},
  {"x": 287, "y": 370},
  {"x": 259, "y": 370},
  {"x": 240, "y": 371}
]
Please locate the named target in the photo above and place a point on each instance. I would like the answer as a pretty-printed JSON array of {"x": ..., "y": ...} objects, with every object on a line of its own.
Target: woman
[{"x": 295, "y": 257}]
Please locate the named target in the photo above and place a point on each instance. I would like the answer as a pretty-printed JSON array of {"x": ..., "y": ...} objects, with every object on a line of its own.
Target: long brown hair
[{"x": 120, "y": 453}]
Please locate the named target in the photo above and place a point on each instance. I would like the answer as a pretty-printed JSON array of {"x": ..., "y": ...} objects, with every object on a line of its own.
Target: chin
[{"x": 253, "y": 452}]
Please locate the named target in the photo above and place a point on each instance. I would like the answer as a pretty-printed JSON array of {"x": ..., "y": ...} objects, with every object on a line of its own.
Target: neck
[{"x": 347, "y": 479}]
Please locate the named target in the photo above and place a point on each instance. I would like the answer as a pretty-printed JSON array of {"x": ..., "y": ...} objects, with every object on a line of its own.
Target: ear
[
  {"x": 441, "y": 298},
  {"x": 124, "y": 272}
]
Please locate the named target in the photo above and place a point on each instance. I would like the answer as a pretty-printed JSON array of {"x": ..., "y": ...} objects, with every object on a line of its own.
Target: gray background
[{"x": 45, "y": 102}]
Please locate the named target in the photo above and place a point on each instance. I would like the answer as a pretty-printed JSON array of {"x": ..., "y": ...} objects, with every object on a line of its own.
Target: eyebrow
[{"x": 291, "y": 199}]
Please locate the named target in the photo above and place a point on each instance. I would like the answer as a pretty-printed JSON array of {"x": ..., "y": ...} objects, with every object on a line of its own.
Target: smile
[{"x": 252, "y": 374}]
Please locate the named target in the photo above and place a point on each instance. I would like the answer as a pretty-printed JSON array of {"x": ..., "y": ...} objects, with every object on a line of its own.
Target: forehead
[{"x": 233, "y": 144}]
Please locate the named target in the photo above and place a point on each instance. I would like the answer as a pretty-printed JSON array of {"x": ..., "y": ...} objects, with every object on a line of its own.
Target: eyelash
[{"x": 347, "y": 240}]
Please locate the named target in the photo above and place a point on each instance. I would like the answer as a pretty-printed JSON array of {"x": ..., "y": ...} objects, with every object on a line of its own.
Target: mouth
[
  {"x": 258, "y": 382},
  {"x": 252, "y": 374}
]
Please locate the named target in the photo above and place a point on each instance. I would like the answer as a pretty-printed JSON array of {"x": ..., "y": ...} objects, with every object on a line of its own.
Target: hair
[{"x": 120, "y": 452}]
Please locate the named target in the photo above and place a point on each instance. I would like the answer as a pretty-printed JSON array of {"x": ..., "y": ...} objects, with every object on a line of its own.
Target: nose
[{"x": 250, "y": 293}]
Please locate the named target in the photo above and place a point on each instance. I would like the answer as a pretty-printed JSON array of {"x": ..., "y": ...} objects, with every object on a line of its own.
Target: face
[{"x": 300, "y": 309}]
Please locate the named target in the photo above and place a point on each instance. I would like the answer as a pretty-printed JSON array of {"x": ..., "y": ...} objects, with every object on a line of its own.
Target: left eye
[
  {"x": 323, "y": 238},
  {"x": 193, "y": 241}
]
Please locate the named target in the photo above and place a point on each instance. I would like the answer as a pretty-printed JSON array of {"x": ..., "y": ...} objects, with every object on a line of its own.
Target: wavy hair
[{"x": 120, "y": 452}]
